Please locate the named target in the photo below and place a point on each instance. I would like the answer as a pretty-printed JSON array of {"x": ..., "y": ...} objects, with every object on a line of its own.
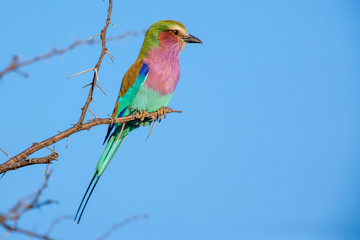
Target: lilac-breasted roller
[{"x": 147, "y": 86}]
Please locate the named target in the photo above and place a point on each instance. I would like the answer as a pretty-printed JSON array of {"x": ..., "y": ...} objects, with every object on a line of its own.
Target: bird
[{"x": 146, "y": 87}]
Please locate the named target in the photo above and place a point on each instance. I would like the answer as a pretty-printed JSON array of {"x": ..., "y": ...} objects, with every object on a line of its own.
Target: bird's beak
[{"x": 191, "y": 39}]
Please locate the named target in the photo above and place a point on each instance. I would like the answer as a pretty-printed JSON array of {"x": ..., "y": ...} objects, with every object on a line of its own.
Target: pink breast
[{"x": 164, "y": 67}]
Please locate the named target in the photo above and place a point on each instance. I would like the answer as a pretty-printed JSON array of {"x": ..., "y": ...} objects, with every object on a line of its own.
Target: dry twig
[
  {"x": 122, "y": 224},
  {"x": 56, "y": 221},
  {"x": 10, "y": 219},
  {"x": 15, "y": 64},
  {"x": 97, "y": 66}
]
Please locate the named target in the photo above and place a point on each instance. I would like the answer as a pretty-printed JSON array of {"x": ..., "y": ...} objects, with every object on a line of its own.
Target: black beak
[{"x": 191, "y": 39}]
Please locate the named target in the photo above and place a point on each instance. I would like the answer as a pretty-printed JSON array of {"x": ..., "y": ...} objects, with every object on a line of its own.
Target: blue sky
[{"x": 267, "y": 146}]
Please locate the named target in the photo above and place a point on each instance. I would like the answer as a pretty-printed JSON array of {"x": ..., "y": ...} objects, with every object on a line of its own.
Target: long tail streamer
[{"x": 92, "y": 185}]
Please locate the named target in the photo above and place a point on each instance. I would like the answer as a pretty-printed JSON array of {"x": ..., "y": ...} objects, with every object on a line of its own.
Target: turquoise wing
[{"x": 128, "y": 90}]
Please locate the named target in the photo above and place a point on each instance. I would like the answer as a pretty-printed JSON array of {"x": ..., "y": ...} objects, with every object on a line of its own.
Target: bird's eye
[{"x": 176, "y": 32}]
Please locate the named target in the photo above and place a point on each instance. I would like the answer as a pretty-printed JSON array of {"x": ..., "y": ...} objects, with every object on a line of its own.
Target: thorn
[
  {"x": 5, "y": 153},
  {"x": 51, "y": 149},
  {"x": 93, "y": 69},
  {"x": 112, "y": 24},
  {"x": 151, "y": 130},
  {"x": 92, "y": 36},
  {"x": 87, "y": 85},
  {"x": 101, "y": 89},
  {"x": 93, "y": 113},
  {"x": 110, "y": 56}
]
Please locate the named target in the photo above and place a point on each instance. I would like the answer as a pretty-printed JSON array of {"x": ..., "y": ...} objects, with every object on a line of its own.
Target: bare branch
[
  {"x": 97, "y": 66},
  {"x": 10, "y": 219},
  {"x": 57, "y": 221},
  {"x": 122, "y": 224},
  {"x": 15, "y": 64},
  {"x": 22, "y": 160}
]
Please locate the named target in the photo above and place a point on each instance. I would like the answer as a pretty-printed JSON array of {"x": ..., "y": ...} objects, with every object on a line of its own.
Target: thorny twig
[
  {"x": 21, "y": 160},
  {"x": 10, "y": 219},
  {"x": 95, "y": 81}
]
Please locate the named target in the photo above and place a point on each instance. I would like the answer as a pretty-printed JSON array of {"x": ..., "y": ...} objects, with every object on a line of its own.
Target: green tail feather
[{"x": 112, "y": 147}]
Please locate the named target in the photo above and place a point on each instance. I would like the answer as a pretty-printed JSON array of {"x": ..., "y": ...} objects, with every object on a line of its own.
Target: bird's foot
[
  {"x": 142, "y": 115},
  {"x": 160, "y": 113}
]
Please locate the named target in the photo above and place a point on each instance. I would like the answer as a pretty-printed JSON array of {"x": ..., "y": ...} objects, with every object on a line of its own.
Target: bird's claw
[
  {"x": 160, "y": 113},
  {"x": 142, "y": 115}
]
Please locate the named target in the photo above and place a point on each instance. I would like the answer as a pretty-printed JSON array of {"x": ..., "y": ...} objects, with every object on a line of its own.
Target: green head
[{"x": 177, "y": 29}]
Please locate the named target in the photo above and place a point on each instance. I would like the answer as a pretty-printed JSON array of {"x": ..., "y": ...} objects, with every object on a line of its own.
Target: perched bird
[{"x": 147, "y": 86}]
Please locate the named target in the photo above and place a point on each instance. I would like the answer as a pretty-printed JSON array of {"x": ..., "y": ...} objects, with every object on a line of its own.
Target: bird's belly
[{"x": 149, "y": 100}]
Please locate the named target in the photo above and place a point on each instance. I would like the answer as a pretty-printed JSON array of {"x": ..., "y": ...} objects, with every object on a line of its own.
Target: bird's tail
[{"x": 112, "y": 147}]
